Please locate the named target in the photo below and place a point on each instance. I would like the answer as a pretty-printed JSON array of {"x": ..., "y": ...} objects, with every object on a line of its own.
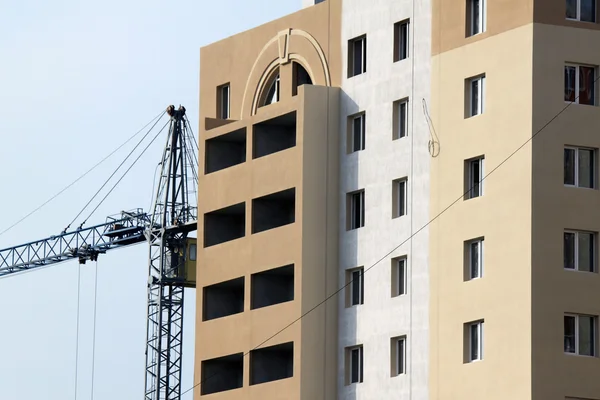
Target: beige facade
[
  {"x": 524, "y": 292},
  {"x": 288, "y": 148}
]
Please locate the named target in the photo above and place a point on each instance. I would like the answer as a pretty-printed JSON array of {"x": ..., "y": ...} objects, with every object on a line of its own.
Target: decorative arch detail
[{"x": 269, "y": 60}]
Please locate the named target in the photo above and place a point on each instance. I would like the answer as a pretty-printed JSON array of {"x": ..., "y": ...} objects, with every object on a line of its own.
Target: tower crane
[{"x": 171, "y": 254}]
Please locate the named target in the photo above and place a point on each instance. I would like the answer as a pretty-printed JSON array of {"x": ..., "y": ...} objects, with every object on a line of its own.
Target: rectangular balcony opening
[
  {"x": 225, "y": 224},
  {"x": 274, "y": 210},
  {"x": 225, "y": 151},
  {"x": 272, "y": 363},
  {"x": 274, "y": 135},
  {"x": 272, "y": 287},
  {"x": 223, "y": 373},
  {"x": 223, "y": 299}
]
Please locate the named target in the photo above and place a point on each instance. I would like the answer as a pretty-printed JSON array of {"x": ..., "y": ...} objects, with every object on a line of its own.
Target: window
[
  {"x": 193, "y": 249},
  {"x": 356, "y": 135},
  {"x": 475, "y": 339},
  {"x": 474, "y": 175},
  {"x": 399, "y": 275},
  {"x": 398, "y": 356},
  {"x": 356, "y": 285},
  {"x": 223, "y": 101},
  {"x": 581, "y": 10},
  {"x": 400, "y": 123},
  {"x": 580, "y": 167},
  {"x": 356, "y": 217},
  {"x": 475, "y": 96},
  {"x": 580, "y": 251},
  {"x": 580, "y": 335},
  {"x": 354, "y": 364},
  {"x": 476, "y": 10},
  {"x": 270, "y": 92},
  {"x": 399, "y": 197},
  {"x": 401, "y": 40},
  {"x": 475, "y": 259},
  {"x": 580, "y": 84},
  {"x": 357, "y": 56},
  {"x": 300, "y": 77}
]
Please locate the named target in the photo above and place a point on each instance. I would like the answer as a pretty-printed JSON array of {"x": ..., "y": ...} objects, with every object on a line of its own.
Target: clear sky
[{"x": 77, "y": 78}]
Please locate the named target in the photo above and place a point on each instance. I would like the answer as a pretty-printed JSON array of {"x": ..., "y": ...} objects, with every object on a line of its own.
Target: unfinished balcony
[
  {"x": 274, "y": 210},
  {"x": 272, "y": 287},
  {"x": 225, "y": 224},
  {"x": 274, "y": 135},
  {"x": 225, "y": 151},
  {"x": 223, "y": 299},
  {"x": 223, "y": 373},
  {"x": 272, "y": 363}
]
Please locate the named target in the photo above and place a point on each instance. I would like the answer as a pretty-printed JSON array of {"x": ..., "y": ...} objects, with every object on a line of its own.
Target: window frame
[
  {"x": 400, "y": 198},
  {"x": 578, "y": 13},
  {"x": 478, "y": 327},
  {"x": 482, "y": 17},
  {"x": 362, "y": 138},
  {"x": 399, "y": 276},
  {"x": 399, "y": 365},
  {"x": 402, "y": 40},
  {"x": 352, "y": 204},
  {"x": 577, "y": 338},
  {"x": 224, "y": 107},
  {"x": 577, "y": 166},
  {"x": 576, "y": 251},
  {"x": 400, "y": 124},
  {"x": 350, "y": 364},
  {"x": 576, "y": 84},
  {"x": 352, "y": 72},
  {"x": 356, "y": 281},
  {"x": 472, "y": 189},
  {"x": 480, "y": 243},
  {"x": 481, "y": 90}
]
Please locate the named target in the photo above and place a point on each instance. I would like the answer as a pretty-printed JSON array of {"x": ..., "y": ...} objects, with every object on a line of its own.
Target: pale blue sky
[{"x": 77, "y": 79}]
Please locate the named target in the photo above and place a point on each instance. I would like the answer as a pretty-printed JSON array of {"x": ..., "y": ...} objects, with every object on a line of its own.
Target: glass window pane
[
  {"x": 356, "y": 286},
  {"x": 358, "y": 56},
  {"x": 586, "y": 335},
  {"x": 401, "y": 277},
  {"x": 475, "y": 342},
  {"x": 586, "y": 252},
  {"x": 588, "y": 10},
  {"x": 570, "y": 83},
  {"x": 476, "y": 16},
  {"x": 400, "y": 356},
  {"x": 402, "y": 122},
  {"x": 586, "y": 85},
  {"x": 569, "y": 250},
  {"x": 571, "y": 9},
  {"x": 475, "y": 97},
  {"x": 569, "y": 166},
  {"x": 474, "y": 260},
  {"x": 586, "y": 168},
  {"x": 569, "y": 323},
  {"x": 402, "y": 198},
  {"x": 354, "y": 364},
  {"x": 357, "y": 133},
  {"x": 475, "y": 178}
]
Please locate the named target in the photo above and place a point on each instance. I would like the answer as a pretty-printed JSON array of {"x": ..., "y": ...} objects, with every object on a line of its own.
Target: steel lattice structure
[{"x": 175, "y": 218}]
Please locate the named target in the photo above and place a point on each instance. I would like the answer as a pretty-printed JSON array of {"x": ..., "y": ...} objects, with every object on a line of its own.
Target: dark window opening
[
  {"x": 401, "y": 42},
  {"x": 272, "y": 287},
  {"x": 274, "y": 210},
  {"x": 355, "y": 210},
  {"x": 223, "y": 299},
  {"x": 301, "y": 77},
  {"x": 272, "y": 363},
  {"x": 223, "y": 373},
  {"x": 274, "y": 135},
  {"x": 225, "y": 151},
  {"x": 223, "y": 96},
  {"x": 270, "y": 92},
  {"x": 357, "y": 56},
  {"x": 225, "y": 224}
]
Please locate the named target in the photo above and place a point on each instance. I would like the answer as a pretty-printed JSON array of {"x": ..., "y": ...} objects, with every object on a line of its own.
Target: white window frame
[
  {"x": 360, "y": 273},
  {"x": 354, "y": 224},
  {"x": 401, "y": 198},
  {"x": 471, "y": 183},
  {"x": 594, "y": 340},
  {"x": 576, "y": 84},
  {"x": 400, "y": 364},
  {"x": 363, "y": 62},
  {"x": 401, "y": 284},
  {"x": 361, "y": 134},
  {"x": 578, "y": 17},
  {"x": 480, "y": 244},
  {"x": 478, "y": 326},
  {"x": 576, "y": 167},
  {"x": 402, "y": 128},
  {"x": 576, "y": 251},
  {"x": 480, "y": 95},
  {"x": 482, "y": 19},
  {"x": 360, "y": 351},
  {"x": 402, "y": 35}
]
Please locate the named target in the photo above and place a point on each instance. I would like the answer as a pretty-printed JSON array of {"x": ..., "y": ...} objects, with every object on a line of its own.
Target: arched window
[
  {"x": 270, "y": 92},
  {"x": 301, "y": 77}
]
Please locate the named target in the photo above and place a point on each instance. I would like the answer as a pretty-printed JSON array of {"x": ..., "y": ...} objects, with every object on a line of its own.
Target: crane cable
[
  {"x": 77, "y": 328},
  {"x": 80, "y": 178},
  {"x": 94, "y": 329},
  {"x": 125, "y": 173},
  {"x": 113, "y": 174}
]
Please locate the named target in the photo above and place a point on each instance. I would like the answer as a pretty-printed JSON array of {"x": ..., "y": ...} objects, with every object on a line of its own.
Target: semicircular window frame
[{"x": 270, "y": 92}]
